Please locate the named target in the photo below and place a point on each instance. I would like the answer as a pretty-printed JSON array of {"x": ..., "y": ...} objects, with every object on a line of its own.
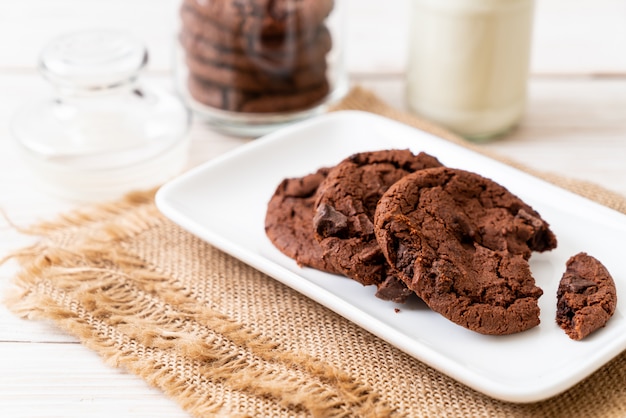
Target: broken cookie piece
[{"x": 586, "y": 298}]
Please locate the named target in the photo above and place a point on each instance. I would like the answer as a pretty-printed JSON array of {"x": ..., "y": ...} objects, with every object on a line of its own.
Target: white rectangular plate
[{"x": 224, "y": 203}]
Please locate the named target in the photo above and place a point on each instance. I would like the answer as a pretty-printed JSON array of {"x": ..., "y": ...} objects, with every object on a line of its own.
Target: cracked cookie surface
[
  {"x": 345, "y": 210},
  {"x": 462, "y": 243}
]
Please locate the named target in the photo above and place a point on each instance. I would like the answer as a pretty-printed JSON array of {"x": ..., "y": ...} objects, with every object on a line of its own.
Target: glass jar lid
[{"x": 93, "y": 59}]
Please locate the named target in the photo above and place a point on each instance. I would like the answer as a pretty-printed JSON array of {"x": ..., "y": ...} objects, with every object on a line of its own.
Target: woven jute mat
[{"x": 223, "y": 339}]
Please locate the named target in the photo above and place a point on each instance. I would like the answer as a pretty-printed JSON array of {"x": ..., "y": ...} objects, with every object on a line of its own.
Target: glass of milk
[{"x": 468, "y": 64}]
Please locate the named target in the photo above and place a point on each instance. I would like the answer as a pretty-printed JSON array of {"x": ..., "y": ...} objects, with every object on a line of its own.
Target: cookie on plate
[
  {"x": 461, "y": 242},
  {"x": 345, "y": 208},
  {"x": 289, "y": 220},
  {"x": 586, "y": 297}
]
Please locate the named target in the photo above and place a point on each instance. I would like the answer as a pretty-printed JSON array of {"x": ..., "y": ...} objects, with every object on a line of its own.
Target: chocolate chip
[
  {"x": 579, "y": 284},
  {"x": 329, "y": 222}
]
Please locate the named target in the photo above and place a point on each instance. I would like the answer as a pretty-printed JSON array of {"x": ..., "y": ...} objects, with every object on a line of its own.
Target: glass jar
[
  {"x": 468, "y": 64},
  {"x": 103, "y": 132},
  {"x": 250, "y": 67}
]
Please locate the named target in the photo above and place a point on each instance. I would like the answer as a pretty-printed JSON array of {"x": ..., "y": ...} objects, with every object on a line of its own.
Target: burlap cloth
[{"x": 223, "y": 339}]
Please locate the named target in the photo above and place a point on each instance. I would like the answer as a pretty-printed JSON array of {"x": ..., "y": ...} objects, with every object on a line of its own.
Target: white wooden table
[{"x": 575, "y": 125}]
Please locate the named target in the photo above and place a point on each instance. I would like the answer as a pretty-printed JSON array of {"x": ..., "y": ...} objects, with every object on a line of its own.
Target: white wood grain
[
  {"x": 574, "y": 127},
  {"x": 65, "y": 380},
  {"x": 26, "y": 26},
  {"x": 579, "y": 36}
]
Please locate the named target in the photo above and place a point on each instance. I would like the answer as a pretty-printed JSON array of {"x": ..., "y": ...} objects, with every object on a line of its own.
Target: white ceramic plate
[{"x": 224, "y": 203}]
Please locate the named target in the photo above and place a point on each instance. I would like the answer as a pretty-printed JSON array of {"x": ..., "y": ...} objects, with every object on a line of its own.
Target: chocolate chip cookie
[
  {"x": 263, "y": 17},
  {"x": 461, "y": 242},
  {"x": 289, "y": 220},
  {"x": 586, "y": 297},
  {"x": 286, "y": 43},
  {"x": 256, "y": 81},
  {"x": 230, "y": 99},
  {"x": 345, "y": 209},
  {"x": 279, "y": 59}
]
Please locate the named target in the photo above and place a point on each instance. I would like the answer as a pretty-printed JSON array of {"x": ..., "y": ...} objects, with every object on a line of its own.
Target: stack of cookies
[{"x": 258, "y": 56}]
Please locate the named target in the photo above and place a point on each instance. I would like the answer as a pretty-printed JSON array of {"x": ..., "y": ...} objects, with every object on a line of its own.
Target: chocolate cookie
[
  {"x": 257, "y": 81},
  {"x": 263, "y": 17},
  {"x": 289, "y": 220},
  {"x": 461, "y": 242},
  {"x": 345, "y": 209},
  {"x": 586, "y": 298},
  {"x": 226, "y": 98},
  {"x": 283, "y": 61},
  {"x": 276, "y": 45}
]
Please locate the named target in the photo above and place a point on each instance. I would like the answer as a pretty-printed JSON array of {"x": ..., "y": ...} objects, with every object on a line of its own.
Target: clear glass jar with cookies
[{"x": 248, "y": 67}]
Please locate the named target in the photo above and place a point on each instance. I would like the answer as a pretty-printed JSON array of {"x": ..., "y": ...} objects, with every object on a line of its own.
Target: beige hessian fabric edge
[{"x": 223, "y": 339}]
